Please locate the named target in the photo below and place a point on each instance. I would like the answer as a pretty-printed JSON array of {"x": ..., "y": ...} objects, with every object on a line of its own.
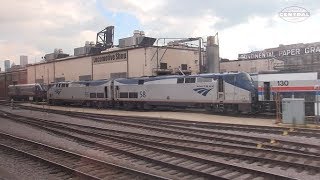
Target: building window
[
  {"x": 133, "y": 95},
  {"x": 85, "y": 78},
  {"x": 100, "y": 95},
  {"x": 184, "y": 67},
  {"x": 93, "y": 95},
  {"x": 123, "y": 94},
  {"x": 180, "y": 80},
  {"x": 163, "y": 66},
  {"x": 118, "y": 75}
]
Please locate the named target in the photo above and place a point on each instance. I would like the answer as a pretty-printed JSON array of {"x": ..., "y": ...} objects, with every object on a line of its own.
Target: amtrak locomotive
[
  {"x": 36, "y": 92},
  {"x": 216, "y": 92}
]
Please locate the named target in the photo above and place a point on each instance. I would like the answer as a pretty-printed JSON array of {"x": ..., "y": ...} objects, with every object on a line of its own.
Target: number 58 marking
[{"x": 143, "y": 94}]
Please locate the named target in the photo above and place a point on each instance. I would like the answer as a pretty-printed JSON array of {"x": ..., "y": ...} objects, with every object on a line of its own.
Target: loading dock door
[{"x": 266, "y": 90}]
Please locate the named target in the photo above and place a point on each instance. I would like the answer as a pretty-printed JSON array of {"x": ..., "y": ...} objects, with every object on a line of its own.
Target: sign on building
[
  {"x": 280, "y": 53},
  {"x": 110, "y": 57}
]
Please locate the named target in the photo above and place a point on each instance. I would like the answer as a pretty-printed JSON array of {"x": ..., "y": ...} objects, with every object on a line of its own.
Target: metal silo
[{"x": 213, "y": 58}]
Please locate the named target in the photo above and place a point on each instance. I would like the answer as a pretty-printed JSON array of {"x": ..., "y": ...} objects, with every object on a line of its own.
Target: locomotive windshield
[
  {"x": 244, "y": 81},
  {"x": 244, "y": 77}
]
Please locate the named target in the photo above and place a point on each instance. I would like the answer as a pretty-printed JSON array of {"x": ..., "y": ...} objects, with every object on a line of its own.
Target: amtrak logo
[
  {"x": 202, "y": 91},
  {"x": 58, "y": 91}
]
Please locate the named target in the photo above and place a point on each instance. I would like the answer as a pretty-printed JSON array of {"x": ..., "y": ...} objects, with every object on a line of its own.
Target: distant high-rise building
[
  {"x": 23, "y": 61},
  {"x": 6, "y": 65}
]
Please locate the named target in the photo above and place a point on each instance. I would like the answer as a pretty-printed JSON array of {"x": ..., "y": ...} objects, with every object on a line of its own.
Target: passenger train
[
  {"x": 223, "y": 92},
  {"x": 217, "y": 92},
  {"x": 287, "y": 85}
]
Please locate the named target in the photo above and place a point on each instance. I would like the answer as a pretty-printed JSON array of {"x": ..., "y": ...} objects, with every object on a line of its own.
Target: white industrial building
[
  {"x": 117, "y": 62},
  {"x": 135, "y": 56}
]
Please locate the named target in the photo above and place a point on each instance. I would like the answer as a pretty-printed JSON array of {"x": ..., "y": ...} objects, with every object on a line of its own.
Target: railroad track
[
  {"x": 196, "y": 125},
  {"x": 200, "y": 134},
  {"x": 195, "y": 156},
  {"x": 74, "y": 165},
  {"x": 203, "y": 134}
]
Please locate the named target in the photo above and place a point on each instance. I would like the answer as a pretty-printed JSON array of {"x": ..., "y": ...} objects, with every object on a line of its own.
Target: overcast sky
[{"x": 37, "y": 27}]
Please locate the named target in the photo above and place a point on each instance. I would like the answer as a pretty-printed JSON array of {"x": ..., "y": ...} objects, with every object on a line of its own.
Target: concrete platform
[{"x": 188, "y": 116}]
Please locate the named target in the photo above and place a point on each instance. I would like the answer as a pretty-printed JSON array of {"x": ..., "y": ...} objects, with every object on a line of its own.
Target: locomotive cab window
[
  {"x": 201, "y": 79},
  {"x": 133, "y": 95},
  {"x": 100, "y": 95},
  {"x": 190, "y": 80},
  {"x": 180, "y": 80},
  {"x": 124, "y": 95},
  {"x": 93, "y": 95}
]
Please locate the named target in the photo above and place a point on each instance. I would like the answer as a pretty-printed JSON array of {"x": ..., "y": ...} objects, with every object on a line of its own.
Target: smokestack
[{"x": 213, "y": 58}]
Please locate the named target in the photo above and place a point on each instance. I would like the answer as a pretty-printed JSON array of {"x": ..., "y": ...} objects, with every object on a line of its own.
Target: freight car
[
  {"x": 36, "y": 92},
  {"x": 215, "y": 92}
]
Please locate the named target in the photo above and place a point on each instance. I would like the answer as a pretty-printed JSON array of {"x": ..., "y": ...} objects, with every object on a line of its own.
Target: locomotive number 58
[{"x": 143, "y": 94}]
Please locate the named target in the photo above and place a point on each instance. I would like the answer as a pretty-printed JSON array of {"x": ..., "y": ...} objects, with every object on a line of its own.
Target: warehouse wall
[
  {"x": 41, "y": 73},
  {"x": 134, "y": 62},
  {"x": 12, "y": 77},
  {"x": 174, "y": 57},
  {"x": 72, "y": 69},
  {"x": 108, "y": 65},
  {"x": 103, "y": 71},
  {"x": 137, "y": 62},
  {"x": 250, "y": 66},
  {"x": 3, "y": 89}
]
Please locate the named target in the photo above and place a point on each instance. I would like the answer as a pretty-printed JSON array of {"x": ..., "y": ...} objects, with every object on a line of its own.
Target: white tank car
[
  {"x": 287, "y": 85},
  {"x": 222, "y": 92},
  {"x": 90, "y": 93}
]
